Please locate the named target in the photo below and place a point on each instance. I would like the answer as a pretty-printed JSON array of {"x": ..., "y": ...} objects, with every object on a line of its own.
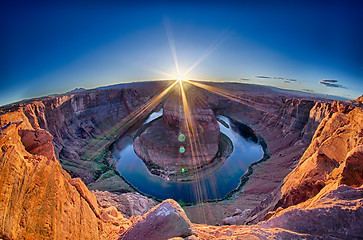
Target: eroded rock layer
[
  {"x": 82, "y": 126},
  {"x": 38, "y": 199},
  {"x": 310, "y": 188},
  {"x": 334, "y": 157}
]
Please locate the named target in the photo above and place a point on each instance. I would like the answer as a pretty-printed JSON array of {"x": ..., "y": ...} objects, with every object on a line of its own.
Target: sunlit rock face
[
  {"x": 38, "y": 199},
  {"x": 333, "y": 158},
  {"x": 184, "y": 138}
]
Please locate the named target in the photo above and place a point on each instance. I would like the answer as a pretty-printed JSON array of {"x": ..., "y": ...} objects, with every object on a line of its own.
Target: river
[{"x": 215, "y": 186}]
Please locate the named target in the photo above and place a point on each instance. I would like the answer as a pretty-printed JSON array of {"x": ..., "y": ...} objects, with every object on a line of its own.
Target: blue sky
[{"x": 55, "y": 47}]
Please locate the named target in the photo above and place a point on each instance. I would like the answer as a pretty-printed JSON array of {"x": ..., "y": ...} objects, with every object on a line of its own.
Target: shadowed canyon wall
[{"x": 83, "y": 125}]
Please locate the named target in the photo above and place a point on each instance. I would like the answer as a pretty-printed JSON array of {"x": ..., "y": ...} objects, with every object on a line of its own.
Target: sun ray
[
  {"x": 196, "y": 145},
  {"x": 208, "y": 52},
  {"x": 131, "y": 119},
  {"x": 190, "y": 128},
  {"x": 164, "y": 73},
  {"x": 169, "y": 35},
  {"x": 239, "y": 99}
]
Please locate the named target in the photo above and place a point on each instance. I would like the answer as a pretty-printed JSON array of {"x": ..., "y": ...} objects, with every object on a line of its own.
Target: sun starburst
[{"x": 191, "y": 134}]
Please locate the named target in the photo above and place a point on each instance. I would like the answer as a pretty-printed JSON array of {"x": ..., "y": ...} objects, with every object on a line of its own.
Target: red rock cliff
[
  {"x": 38, "y": 199},
  {"x": 334, "y": 157}
]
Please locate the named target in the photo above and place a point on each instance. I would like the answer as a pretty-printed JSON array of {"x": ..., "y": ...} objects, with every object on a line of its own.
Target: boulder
[
  {"x": 166, "y": 220},
  {"x": 38, "y": 142},
  {"x": 237, "y": 217},
  {"x": 337, "y": 213}
]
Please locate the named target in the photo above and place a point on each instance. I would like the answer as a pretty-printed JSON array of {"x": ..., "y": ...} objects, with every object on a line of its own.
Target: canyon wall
[
  {"x": 322, "y": 197},
  {"x": 310, "y": 187},
  {"x": 83, "y": 124},
  {"x": 38, "y": 199},
  {"x": 285, "y": 122},
  {"x": 334, "y": 157}
]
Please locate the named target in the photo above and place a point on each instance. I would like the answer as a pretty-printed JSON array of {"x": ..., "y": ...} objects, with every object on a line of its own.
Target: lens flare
[
  {"x": 181, "y": 137},
  {"x": 182, "y": 149}
]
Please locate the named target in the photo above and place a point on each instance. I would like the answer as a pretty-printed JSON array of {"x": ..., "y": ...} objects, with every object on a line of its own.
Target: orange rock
[
  {"x": 334, "y": 153},
  {"x": 37, "y": 200},
  {"x": 352, "y": 173}
]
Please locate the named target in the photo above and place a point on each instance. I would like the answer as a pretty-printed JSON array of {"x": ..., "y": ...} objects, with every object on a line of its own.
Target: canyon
[{"x": 59, "y": 181}]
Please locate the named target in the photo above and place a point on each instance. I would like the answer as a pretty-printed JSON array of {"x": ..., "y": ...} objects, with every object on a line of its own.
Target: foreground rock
[
  {"x": 167, "y": 220},
  {"x": 38, "y": 199},
  {"x": 352, "y": 173},
  {"x": 338, "y": 213},
  {"x": 38, "y": 142}
]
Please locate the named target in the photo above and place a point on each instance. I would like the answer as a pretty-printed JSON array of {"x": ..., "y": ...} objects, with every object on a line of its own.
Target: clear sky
[{"x": 55, "y": 47}]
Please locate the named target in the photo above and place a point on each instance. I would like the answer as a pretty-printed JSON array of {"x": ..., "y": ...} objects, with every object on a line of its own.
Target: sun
[{"x": 180, "y": 78}]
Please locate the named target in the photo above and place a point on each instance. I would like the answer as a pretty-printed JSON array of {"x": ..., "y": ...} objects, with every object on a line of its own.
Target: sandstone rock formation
[
  {"x": 352, "y": 173},
  {"x": 39, "y": 200},
  {"x": 129, "y": 204},
  {"x": 310, "y": 188},
  {"x": 38, "y": 142},
  {"x": 159, "y": 145},
  {"x": 358, "y": 102},
  {"x": 286, "y": 123},
  {"x": 337, "y": 213},
  {"x": 333, "y": 157},
  {"x": 82, "y": 125},
  {"x": 202, "y": 121},
  {"x": 167, "y": 220}
]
